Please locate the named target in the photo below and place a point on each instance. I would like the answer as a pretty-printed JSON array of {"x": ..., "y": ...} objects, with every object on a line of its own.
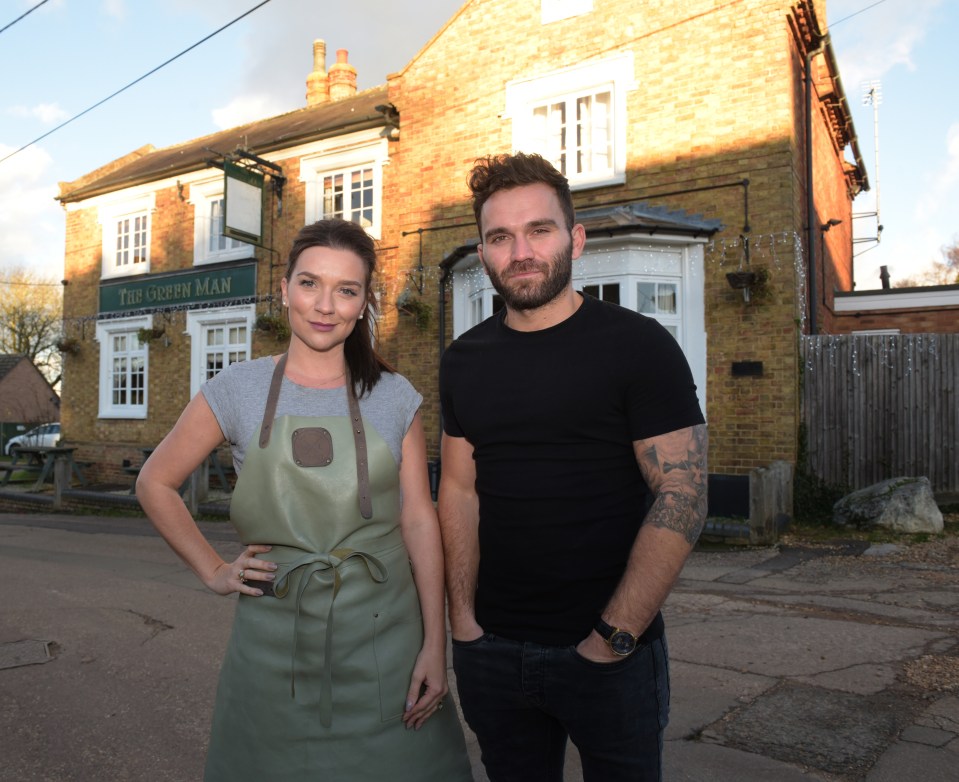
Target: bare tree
[
  {"x": 942, "y": 272},
  {"x": 31, "y": 319}
]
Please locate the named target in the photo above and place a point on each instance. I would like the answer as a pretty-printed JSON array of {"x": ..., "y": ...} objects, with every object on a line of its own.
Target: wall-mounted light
[
  {"x": 392, "y": 116},
  {"x": 831, "y": 223}
]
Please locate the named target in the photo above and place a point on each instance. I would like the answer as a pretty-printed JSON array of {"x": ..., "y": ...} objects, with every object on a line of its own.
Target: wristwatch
[{"x": 620, "y": 642}]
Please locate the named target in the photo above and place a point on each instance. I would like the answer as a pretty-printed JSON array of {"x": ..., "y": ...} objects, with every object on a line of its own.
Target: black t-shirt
[{"x": 552, "y": 416}]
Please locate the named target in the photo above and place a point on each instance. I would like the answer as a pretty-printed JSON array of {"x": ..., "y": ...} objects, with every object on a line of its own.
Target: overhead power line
[
  {"x": 23, "y": 15},
  {"x": 135, "y": 81},
  {"x": 860, "y": 11}
]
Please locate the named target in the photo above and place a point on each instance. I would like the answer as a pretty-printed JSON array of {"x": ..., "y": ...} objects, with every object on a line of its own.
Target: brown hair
[
  {"x": 504, "y": 172},
  {"x": 364, "y": 364}
]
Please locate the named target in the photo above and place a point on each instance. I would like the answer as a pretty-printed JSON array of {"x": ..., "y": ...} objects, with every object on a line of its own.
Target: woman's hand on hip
[{"x": 245, "y": 574}]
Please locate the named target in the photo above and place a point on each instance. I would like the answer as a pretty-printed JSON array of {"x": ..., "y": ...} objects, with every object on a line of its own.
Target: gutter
[
  {"x": 811, "y": 221},
  {"x": 82, "y": 194}
]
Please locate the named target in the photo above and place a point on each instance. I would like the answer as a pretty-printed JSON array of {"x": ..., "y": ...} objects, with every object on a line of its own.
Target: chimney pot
[
  {"x": 318, "y": 82},
  {"x": 342, "y": 77}
]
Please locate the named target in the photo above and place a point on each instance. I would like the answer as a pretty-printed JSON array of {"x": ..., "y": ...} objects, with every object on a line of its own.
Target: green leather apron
[{"x": 315, "y": 679}]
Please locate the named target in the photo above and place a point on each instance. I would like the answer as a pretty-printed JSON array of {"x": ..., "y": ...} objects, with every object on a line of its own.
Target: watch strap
[
  {"x": 604, "y": 629},
  {"x": 655, "y": 630}
]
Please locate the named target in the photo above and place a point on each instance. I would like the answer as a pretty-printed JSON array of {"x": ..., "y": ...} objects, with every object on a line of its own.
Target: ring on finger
[{"x": 242, "y": 575}]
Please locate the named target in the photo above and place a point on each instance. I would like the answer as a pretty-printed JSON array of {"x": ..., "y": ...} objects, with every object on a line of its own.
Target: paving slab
[
  {"x": 690, "y": 761},
  {"x": 702, "y": 694},
  {"x": 834, "y": 732},
  {"x": 904, "y": 762}
]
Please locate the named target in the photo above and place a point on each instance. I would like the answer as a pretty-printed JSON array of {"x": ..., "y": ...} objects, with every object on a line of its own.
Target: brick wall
[
  {"x": 944, "y": 320},
  {"x": 717, "y": 99}
]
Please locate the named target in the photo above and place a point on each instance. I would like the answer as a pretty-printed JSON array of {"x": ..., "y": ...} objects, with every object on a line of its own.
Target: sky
[{"x": 68, "y": 55}]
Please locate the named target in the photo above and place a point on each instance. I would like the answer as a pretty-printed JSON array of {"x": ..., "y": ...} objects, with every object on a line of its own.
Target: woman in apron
[{"x": 336, "y": 667}]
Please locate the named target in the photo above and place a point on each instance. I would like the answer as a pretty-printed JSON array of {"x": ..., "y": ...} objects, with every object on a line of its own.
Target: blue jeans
[{"x": 523, "y": 700}]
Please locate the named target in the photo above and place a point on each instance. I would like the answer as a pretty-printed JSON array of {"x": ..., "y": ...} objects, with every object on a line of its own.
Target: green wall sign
[{"x": 193, "y": 287}]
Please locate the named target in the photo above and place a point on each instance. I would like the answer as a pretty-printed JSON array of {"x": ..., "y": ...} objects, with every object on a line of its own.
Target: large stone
[{"x": 900, "y": 504}]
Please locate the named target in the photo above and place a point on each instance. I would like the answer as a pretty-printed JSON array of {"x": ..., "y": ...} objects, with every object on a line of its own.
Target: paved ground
[{"x": 787, "y": 663}]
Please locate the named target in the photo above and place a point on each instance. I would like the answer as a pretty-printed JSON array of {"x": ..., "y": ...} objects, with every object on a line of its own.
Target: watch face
[{"x": 622, "y": 643}]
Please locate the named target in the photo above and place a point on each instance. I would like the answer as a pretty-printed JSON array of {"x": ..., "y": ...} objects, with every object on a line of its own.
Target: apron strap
[
  {"x": 269, "y": 412},
  {"x": 324, "y": 569},
  {"x": 362, "y": 463},
  {"x": 356, "y": 425}
]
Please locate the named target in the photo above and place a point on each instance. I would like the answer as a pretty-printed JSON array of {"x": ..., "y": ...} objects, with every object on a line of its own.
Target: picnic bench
[
  {"x": 212, "y": 462},
  {"x": 43, "y": 462}
]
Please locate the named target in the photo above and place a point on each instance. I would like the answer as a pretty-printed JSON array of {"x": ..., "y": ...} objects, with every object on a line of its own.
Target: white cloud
[
  {"x": 878, "y": 39},
  {"x": 944, "y": 177},
  {"x": 949, "y": 177},
  {"x": 115, "y": 9},
  {"x": 47, "y": 113},
  {"x": 246, "y": 108},
  {"x": 31, "y": 222}
]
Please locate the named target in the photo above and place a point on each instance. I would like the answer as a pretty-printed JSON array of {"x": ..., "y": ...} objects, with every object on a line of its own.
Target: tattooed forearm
[
  {"x": 681, "y": 513},
  {"x": 674, "y": 466}
]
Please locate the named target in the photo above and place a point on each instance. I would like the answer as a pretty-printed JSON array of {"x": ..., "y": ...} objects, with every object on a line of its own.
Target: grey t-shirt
[{"x": 237, "y": 396}]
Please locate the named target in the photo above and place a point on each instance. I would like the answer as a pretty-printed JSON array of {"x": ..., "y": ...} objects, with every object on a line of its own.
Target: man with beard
[{"x": 573, "y": 489}]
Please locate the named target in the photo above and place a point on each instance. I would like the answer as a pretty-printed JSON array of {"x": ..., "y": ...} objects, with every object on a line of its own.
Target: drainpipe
[{"x": 811, "y": 221}]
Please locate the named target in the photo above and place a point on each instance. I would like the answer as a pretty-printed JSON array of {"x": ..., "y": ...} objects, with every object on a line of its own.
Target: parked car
[{"x": 45, "y": 436}]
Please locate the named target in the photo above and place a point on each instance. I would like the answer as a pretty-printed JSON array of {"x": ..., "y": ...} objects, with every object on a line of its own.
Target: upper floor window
[
  {"x": 554, "y": 10},
  {"x": 123, "y": 368},
  {"x": 576, "y": 118},
  {"x": 348, "y": 194},
  {"x": 575, "y": 134},
  {"x": 218, "y": 338},
  {"x": 209, "y": 243},
  {"x": 126, "y": 237},
  {"x": 346, "y": 181}
]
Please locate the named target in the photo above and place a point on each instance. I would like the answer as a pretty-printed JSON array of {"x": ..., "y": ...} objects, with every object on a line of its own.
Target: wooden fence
[{"x": 878, "y": 407}]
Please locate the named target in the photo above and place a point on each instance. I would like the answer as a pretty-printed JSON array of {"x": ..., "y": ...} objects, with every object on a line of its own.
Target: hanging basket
[
  {"x": 419, "y": 310},
  {"x": 741, "y": 279},
  {"x": 69, "y": 346},
  {"x": 147, "y": 336},
  {"x": 274, "y": 325}
]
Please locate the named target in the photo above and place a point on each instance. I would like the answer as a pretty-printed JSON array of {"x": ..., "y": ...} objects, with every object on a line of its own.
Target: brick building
[
  {"x": 686, "y": 133},
  {"x": 932, "y": 309},
  {"x": 26, "y": 398}
]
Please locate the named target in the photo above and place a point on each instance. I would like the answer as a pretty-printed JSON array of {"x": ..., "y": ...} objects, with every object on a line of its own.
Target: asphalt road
[
  {"x": 787, "y": 663},
  {"x": 135, "y": 643}
]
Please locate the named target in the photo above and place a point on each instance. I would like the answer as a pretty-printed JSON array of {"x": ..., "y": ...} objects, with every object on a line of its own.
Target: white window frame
[
  {"x": 674, "y": 320},
  {"x": 203, "y": 195},
  {"x": 613, "y": 74},
  {"x": 106, "y": 330},
  {"x": 197, "y": 323},
  {"x": 345, "y": 155},
  {"x": 110, "y": 216},
  {"x": 627, "y": 260},
  {"x": 555, "y": 10}
]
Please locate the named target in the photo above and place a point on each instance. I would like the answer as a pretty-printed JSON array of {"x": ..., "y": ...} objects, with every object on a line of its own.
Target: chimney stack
[
  {"x": 884, "y": 276},
  {"x": 342, "y": 77},
  {"x": 318, "y": 82}
]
